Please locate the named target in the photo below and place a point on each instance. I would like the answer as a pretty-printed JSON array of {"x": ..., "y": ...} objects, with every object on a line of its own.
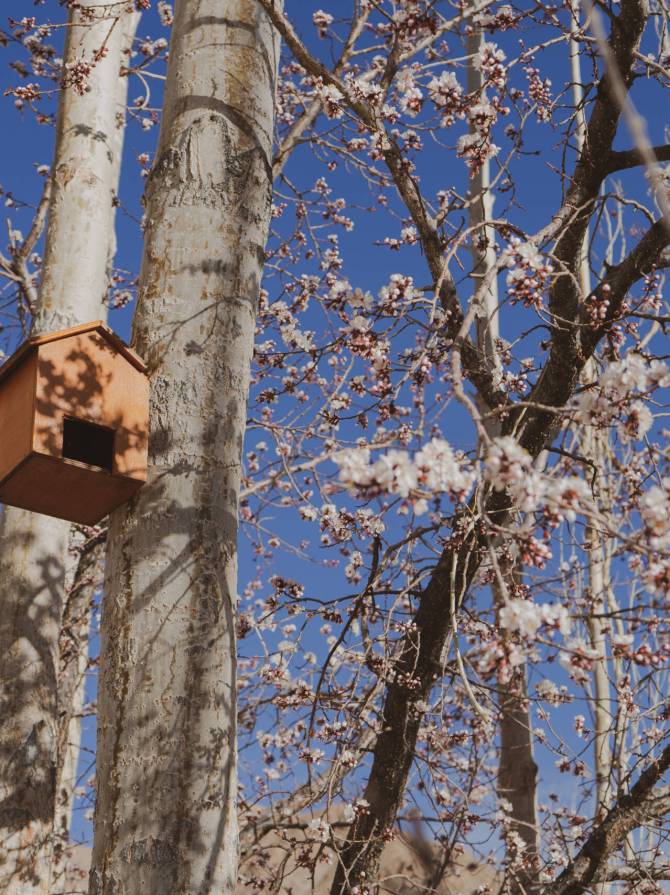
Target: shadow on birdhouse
[{"x": 74, "y": 420}]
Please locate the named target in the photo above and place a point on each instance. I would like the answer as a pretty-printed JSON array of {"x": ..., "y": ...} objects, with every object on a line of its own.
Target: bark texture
[
  {"x": 165, "y": 814},
  {"x": 33, "y": 548},
  {"x": 517, "y": 784}
]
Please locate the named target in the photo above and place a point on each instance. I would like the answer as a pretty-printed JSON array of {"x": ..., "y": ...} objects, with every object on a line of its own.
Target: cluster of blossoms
[
  {"x": 331, "y": 99},
  {"x": 490, "y": 60},
  {"x": 76, "y": 75},
  {"x": 410, "y": 95},
  {"x": 633, "y": 373},
  {"x": 526, "y": 618},
  {"x": 652, "y": 296},
  {"x": 509, "y": 467},
  {"x": 322, "y": 22},
  {"x": 655, "y": 513},
  {"x": 435, "y": 469},
  {"x": 501, "y": 19},
  {"x": 412, "y": 21},
  {"x": 165, "y": 13},
  {"x": 597, "y": 306},
  {"x": 539, "y": 91},
  {"x": 528, "y": 273},
  {"x": 447, "y": 94},
  {"x": 614, "y": 398},
  {"x": 26, "y": 93},
  {"x": 578, "y": 661},
  {"x": 340, "y": 524}
]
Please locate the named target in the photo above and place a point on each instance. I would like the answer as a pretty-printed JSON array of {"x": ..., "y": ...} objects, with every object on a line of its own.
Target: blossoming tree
[{"x": 455, "y": 508}]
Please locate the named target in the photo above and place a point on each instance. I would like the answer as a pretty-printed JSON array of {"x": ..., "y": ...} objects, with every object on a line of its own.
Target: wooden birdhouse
[{"x": 74, "y": 419}]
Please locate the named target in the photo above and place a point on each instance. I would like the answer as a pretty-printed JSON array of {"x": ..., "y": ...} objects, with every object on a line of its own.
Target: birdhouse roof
[{"x": 96, "y": 326}]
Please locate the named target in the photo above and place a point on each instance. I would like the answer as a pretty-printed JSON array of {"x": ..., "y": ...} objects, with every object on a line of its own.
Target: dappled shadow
[
  {"x": 172, "y": 725},
  {"x": 31, "y": 591},
  {"x": 167, "y": 677},
  {"x": 97, "y": 386}
]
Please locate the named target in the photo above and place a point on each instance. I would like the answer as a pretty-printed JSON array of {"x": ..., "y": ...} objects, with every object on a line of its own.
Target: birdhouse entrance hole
[{"x": 88, "y": 443}]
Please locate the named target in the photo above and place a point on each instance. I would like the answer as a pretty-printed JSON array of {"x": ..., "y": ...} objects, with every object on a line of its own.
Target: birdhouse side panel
[
  {"x": 17, "y": 412},
  {"x": 126, "y": 409}
]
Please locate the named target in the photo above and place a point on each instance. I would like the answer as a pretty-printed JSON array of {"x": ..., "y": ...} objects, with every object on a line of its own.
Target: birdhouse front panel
[
  {"x": 91, "y": 405},
  {"x": 75, "y": 405}
]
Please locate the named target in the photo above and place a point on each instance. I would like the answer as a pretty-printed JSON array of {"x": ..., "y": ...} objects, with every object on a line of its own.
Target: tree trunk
[
  {"x": 33, "y": 548},
  {"x": 517, "y": 783},
  {"x": 74, "y": 640},
  {"x": 86, "y": 578},
  {"x": 165, "y": 813}
]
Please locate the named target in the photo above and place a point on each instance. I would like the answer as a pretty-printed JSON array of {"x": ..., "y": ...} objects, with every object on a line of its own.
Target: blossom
[
  {"x": 359, "y": 807},
  {"x": 526, "y": 617},
  {"x": 489, "y": 60},
  {"x": 551, "y": 693},
  {"x": 295, "y": 338},
  {"x": 522, "y": 616},
  {"x": 528, "y": 272},
  {"x": 622, "y": 377},
  {"x": 395, "y": 472},
  {"x": 637, "y": 423},
  {"x": 322, "y": 20},
  {"x": 331, "y": 99},
  {"x": 566, "y": 496},
  {"x": 441, "y": 471},
  {"x": 359, "y": 324},
  {"x": 475, "y": 149},
  {"x": 355, "y": 467},
  {"x": 447, "y": 94},
  {"x": 655, "y": 512},
  {"x": 165, "y": 12},
  {"x": 578, "y": 662},
  {"x": 556, "y": 615},
  {"x": 507, "y": 463},
  {"x": 411, "y": 101},
  {"x": 657, "y": 577},
  {"x": 320, "y": 828}
]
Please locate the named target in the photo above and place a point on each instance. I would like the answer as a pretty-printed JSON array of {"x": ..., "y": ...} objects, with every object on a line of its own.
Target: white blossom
[
  {"x": 506, "y": 463},
  {"x": 655, "y": 512},
  {"x": 320, "y": 828}
]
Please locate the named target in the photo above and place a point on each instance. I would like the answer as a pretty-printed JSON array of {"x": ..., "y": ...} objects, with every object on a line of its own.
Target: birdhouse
[{"x": 74, "y": 420}]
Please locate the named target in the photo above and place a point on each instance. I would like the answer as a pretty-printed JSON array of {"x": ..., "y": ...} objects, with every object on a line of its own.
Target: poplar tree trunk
[
  {"x": 33, "y": 548},
  {"x": 165, "y": 817},
  {"x": 87, "y": 576}
]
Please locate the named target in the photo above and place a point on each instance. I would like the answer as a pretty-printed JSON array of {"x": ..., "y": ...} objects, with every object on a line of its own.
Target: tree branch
[{"x": 630, "y": 812}]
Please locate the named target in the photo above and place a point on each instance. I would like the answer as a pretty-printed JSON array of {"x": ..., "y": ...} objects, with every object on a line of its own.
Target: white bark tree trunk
[
  {"x": 165, "y": 813},
  {"x": 33, "y": 548},
  {"x": 87, "y": 576}
]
